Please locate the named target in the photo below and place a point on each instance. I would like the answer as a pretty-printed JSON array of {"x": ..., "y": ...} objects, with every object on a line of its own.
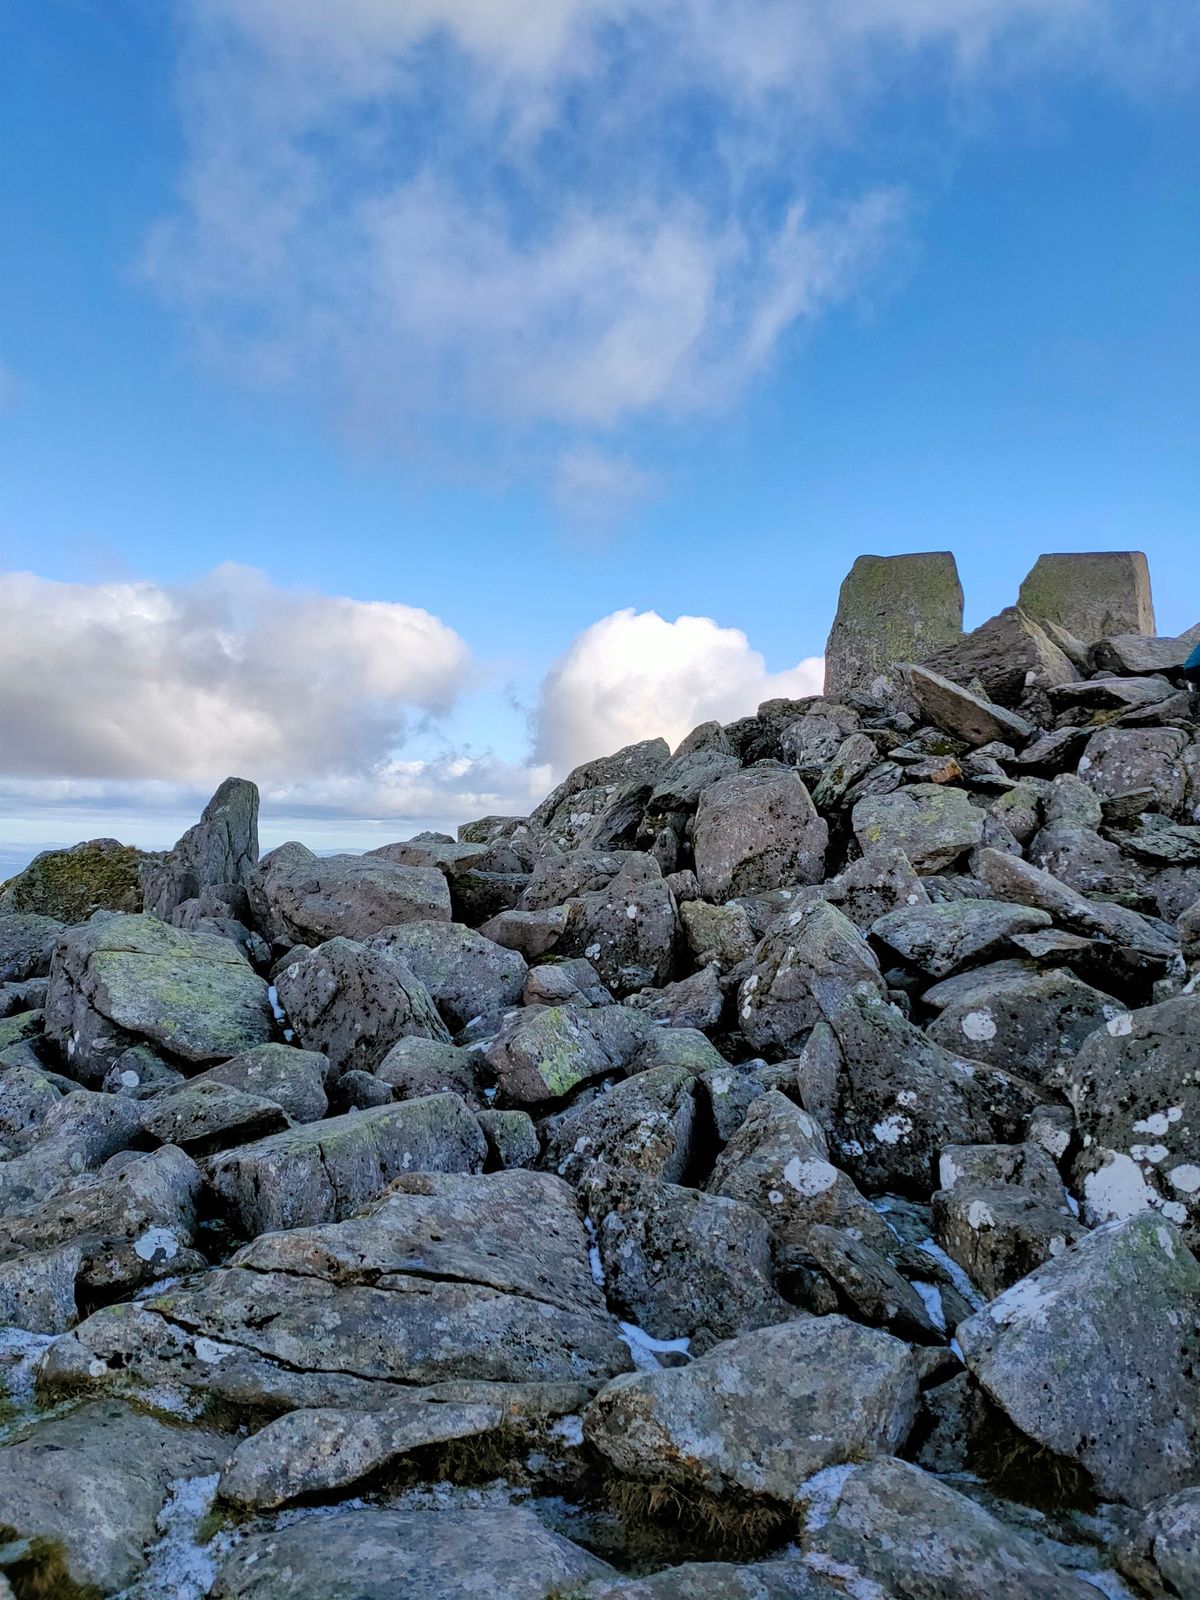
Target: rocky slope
[{"x": 770, "y": 1171}]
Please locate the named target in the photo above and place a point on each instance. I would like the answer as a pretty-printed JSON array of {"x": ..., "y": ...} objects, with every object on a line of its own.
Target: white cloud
[
  {"x": 228, "y": 673},
  {"x": 564, "y": 214},
  {"x": 634, "y": 675}
]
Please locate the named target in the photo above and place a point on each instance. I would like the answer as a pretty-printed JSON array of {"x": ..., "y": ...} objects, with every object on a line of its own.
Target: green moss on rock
[{"x": 99, "y": 875}]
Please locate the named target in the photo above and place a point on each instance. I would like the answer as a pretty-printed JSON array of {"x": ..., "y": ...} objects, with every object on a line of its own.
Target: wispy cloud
[{"x": 563, "y": 215}]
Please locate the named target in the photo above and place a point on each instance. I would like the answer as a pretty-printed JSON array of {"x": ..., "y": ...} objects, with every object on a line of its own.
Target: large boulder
[
  {"x": 438, "y": 1554},
  {"x": 1010, "y": 655},
  {"x": 890, "y": 609},
  {"x": 119, "y": 980},
  {"x": 885, "y": 1528},
  {"x": 314, "y": 898},
  {"x": 471, "y": 978},
  {"x": 294, "y": 1079},
  {"x": 445, "y": 1278},
  {"x": 647, "y": 1122},
  {"x": 778, "y": 1162},
  {"x": 714, "y": 1427},
  {"x": 1091, "y": 594},
  {"x": 68, "y": 885},
  {"x": 542, "y": 1055},
  {"x": 896, "y": 1098},
  {"x": 1135, "y": 1087},
  {"x": 570, "y": 809},
  {"x": 808, "y": 960},
  {"x": 27, "y": 942},
  {"x": 932, "y": 824},
  {"x": 352, "y": 1003},
  {"x": 328, "y": 1170},
  {"x": 220, "y": 852},
  {"x": 757, "y": 830},
  {"x": 959, "y": 712},
  {"x": 83, "y": 1494},
  {"x": 1120, "y": 761},
  {"x": 940, "y": 938},
  {"x": 681, "y": 1264},
  {"x": 1096, "y": 1356},
  {"x": 77, "y": 1135},
  {"x": 628, "y": 930}
]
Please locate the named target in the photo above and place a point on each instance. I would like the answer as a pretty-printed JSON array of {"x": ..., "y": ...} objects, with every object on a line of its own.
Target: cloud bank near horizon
[{"x": 133, "y": 700}]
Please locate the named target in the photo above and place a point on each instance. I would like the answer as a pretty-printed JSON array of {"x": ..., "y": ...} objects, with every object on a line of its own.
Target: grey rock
[
  {"x": 26, "y": 944},
  {"x": 37, "y": 1290},
  {"x": 878, "y": 882},
  {"x": 693, "y": 1002},
  {"x": 294, "y": 1079},
  {"x": 1105, "y": 694},
  {"x": 959, "y": 712},
  {"x": 440, "y": 1555},
  {"x": 1135, "y": 1087},
  {"x": 361, "y": 1091},
  {"x": 782, "y": 1579},
  {"x": 713, "y": 1426},
  {"x": 536, "y": 934},
  {"x": 647, "y": 1122},
  {"x": 121, "y": 980},
  {"x": 867, "y": 1281},
  {"x": 809, "y": 960},
  {"x": 900, "y": 1098},
  {"x": 999, "y": 1233},
  {"x": 27, "y": 1096},
  {"x": 811, "y": 743},
  {"x": 1009, "y": 657},
  {"x": 886, "y": 1528},
  {"x": 890, "y": 609},
  {"x": 204, "y": 1117},
  {"x": 86, "y": 1491},
  {"x": 128, "y": 1227},
  {"x": 681, "y": 1264},
  {"x": 1118, "y": 761},
  {"x": 1093, "y": 595},
  {"x": 352, "y": 1003},
  {"x": 932, "y": 824},
  {"x": 1164, "y": 1549},
  {"x": 723, "y": 934},
  {"x": 445, "y": 1278},
  {"x": 314, "y": 898},
  {"x": 629, "y": 931},
  {"x": 565, "y": 876},
  {"x": 778, "y": 1163},
  {"x": 1027, "y": 1022},
  {"x": 328, "y": 1170},
  {"x": 77, "y": 1135},
  {"x": 939, "y": 939},
  {"x": 221, "y": 850},
  {"x": 543, "y": 1055},
  {"x": 512, "y": 1139},
  {"x": 757, "y": 830},
  {"x": 1140, "y": 652},
  {"x": 414, "y": 1067},
  {"x": 564, "y": 983},
  {"x": 467, "y": 974},
  {"x": 1095, "y": 1356},
  {"x": 851, "y": 762}
]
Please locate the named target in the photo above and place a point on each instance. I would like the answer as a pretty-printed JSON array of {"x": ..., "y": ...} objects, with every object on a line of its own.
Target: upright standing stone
[
  {"x": 892, "y": 608},
  {"x": 1091, "y": 594}
]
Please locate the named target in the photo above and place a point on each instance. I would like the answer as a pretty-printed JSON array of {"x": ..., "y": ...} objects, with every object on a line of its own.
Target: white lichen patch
[
  {"x": 892, "y": 1129},
  {"x": 156, "y": 1241},
  {"x": 1120, "y": 1025},
  {"x": 810, "y": 1177},
  {"x": 979, "y": 1026},
  {"x": 1185, "y": 1177}
]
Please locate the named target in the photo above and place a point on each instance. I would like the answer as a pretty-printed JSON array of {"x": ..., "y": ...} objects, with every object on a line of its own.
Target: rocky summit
[{"x": 769, "y": 1171}]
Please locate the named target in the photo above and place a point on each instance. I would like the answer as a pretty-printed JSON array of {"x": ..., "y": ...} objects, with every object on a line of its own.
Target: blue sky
[{"x": 524, "y": 325}]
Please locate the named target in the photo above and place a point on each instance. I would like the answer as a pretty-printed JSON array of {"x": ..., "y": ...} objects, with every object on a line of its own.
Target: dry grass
[{"x": 717, "y": 1527}]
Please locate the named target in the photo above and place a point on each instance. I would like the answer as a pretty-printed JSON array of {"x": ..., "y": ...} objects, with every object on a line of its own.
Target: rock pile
[{"x": 770, "y": 1171}]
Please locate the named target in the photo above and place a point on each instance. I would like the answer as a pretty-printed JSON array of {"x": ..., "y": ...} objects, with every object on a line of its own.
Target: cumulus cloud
[
  {"x": 563, "y": 215},
  {"x": 634, "y": 675},
  {"x": 230, "y": 672}
]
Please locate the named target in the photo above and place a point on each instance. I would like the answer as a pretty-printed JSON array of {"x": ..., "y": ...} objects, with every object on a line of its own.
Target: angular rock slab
[
  {"x": 1090, "y": 594},
  {"x": 804, "y": 965},
  {"x": 1096, "y": 1355},
  {"x": 399, "y": 1555},
  {"x": 958, "y": 711},
  {"x": 86, "y": 1489},
  {"x": 932, "y": 823},
  {"x": 447, "y": 1278},
  {"x": 940, "y": 938},
  {"x": 890, "y": 609},
  {"x": 469, "y": 977},
  {"x": 646, "y": 1122},
  {"x": 888, "y": 1529},
  {"x": 762, "y": 1412},
  {"x": 324, "y": 1171},
  {"x": 314, "y": 898},
  {"x": 122, "y": 980},
  {"x": 220, "y": 851}
]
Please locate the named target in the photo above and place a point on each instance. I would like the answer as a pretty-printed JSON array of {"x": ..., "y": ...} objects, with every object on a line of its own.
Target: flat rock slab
[
  {"x": 447, "y": 1278},
  {"x": 314, "y": 898},
  {"x": 324, "y": 1171},
  {"x": 123, "y": 980},
  {"x": 931, "y": 823},
  {"x": 940, "y": 938},
  {"x": 760, "y": 1413},
  {"x": 886, "y": 1528},
  {"x": 86, "y": 1491},
  {"x": 398, "y": 1555},
  {"x": 956, "y": 710},
  {"x": 1096, "y": 1355}
]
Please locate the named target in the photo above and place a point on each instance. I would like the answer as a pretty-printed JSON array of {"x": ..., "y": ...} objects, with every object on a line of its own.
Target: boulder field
[{"x": 769, "y": 1171}]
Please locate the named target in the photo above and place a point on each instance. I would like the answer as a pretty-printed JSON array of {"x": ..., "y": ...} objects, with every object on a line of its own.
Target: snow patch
[
  {"x": 932, "y": 1296},
  {"x": 821, "y": 1493},
  {"x": 644, "y": 1349},
  {"x": 155, "y": 1240},
  {"x": 178, "y": 1568}
]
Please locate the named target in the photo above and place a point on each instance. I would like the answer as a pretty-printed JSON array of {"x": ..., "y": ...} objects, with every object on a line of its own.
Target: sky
[{"x": 404, "y": 400}]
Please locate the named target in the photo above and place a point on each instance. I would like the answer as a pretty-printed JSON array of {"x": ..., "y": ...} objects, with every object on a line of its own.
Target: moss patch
[{"x": 101, "y": 875}]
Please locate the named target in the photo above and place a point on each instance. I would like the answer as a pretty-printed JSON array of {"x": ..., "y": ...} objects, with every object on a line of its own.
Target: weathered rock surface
[
  {"x": 647, "y": 1122},
  {"x": 932, "y": 824},
  {"x": 351, "y": 1003},
  {"x": 470, "y": 978},
  {"x": 939, "y": 939},
  {"x": 713, "y": 1426},
  {"x": 315, "y": 898},
  {"x": 220, "y": 852},
  {"x": 891, "y": 609},
  {"x": 26, "y": 944},
  {"x": 440, "y": 1555},
  {"x": 1096, "y": 1355},
  {"x": 121, "y": 980},
  {"x": 327, "y": 1170},
  {"x": 68, "y": 885},
  {"x": 806, "y": 963},
  {"x": 757, "y": 830},
  {"x": 1091, "y": 595}
]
